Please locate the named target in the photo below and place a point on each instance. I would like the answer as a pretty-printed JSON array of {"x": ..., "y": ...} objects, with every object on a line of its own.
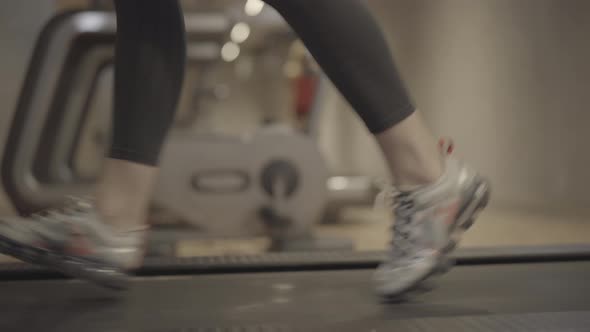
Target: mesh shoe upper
[
  {"x": 424, "y": 226},
  {"x": 74, "y": 229}
]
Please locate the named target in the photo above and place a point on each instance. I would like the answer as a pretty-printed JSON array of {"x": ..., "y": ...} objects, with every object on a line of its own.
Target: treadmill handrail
[{"x": 35, "y": 104}]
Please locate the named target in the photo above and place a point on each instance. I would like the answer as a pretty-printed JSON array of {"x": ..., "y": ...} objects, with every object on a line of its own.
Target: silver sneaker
[
  {"x": 428, "y": 225},
  {"x": 73, "y": 241}
]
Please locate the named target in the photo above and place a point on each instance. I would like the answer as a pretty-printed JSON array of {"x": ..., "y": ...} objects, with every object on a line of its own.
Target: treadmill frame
[
  {"x": 36, "y": 136},
  {"x": 314, "y": 261}
]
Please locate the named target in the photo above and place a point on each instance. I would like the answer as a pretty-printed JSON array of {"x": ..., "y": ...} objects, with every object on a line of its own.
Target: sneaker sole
[
  {"x": 93, "y": 271},
  {"x": 468, "y": 214}
]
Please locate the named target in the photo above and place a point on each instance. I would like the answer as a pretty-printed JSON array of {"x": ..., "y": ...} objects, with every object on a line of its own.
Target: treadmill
[
  {"x": 490, "y": 289},
  {"x": 510, "y": 289}
]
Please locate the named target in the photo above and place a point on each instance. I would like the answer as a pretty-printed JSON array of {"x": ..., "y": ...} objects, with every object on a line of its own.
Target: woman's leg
[
  {"x": 348, "y": 44},
  {"x": 149, "y": 69},
  {"x": 96, "y": 239},
  {"x": 435, "y": 197}
]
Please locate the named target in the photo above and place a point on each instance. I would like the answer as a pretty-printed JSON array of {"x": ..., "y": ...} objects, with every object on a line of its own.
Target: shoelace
[
  {"x": 63, "y": 214},
  {"x": 402, "y": 206},
  {"x": 403, "y": 237}
]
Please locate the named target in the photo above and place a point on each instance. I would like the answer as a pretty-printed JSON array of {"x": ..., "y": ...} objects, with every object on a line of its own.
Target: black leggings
[
  {"x": 342, "y": 36},
  {"x": 150, "y": 55}
]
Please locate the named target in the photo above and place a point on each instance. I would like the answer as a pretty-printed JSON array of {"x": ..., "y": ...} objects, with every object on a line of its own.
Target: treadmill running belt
[{"x": 509, "y": 297}]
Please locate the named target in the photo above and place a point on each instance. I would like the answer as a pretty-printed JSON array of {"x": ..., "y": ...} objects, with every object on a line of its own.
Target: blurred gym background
[{"x": 507, "y": 80}]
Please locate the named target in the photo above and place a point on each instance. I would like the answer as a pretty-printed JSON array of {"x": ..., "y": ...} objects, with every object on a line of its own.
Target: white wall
[{"x": 508, "y": 80}]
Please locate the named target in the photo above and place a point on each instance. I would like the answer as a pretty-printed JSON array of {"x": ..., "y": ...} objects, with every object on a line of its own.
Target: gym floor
[{"x": 370, "y": 231}]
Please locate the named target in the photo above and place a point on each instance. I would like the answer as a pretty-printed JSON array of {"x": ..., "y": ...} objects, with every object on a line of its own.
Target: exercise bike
[{"x": 271, "y": 182}]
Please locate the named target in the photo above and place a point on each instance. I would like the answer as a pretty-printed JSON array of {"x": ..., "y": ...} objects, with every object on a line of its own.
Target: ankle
[
  {"x": 124, "y": 193},
  {"x": 122, "y": 219},
  {"x": 415, "y": 172},
  {"x": 412, "y": 153},
  {"x": 409, "y": 185}
]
